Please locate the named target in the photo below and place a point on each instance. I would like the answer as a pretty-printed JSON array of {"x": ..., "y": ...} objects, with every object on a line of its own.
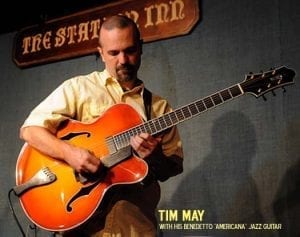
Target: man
[{"x": 129, "y": 209}]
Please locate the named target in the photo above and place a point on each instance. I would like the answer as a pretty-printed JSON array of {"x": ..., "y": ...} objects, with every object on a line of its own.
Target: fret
[
  {"x": 121, "y": 140},
  {"x": 217, "y": 99},
  {"x": 179, "y": 114},
  {"x": 193, "y": 108},
  {"x": 147, "y": 128},
  {"x": 126, "y": 141},
  {"x": 142, "y": 128},
  {"x": 187, "y": 113},
  {"x": 156, "y": 124},
  {"x": 153, "y": 128},
  {"x": 200, "y": 106},
  {"x": 173, "y": 117},
  {"x": 116, "y": 141},
  {"x": 137, "y": 130},
  {"x": 235, "y": 91},
  {"x": 226, "y": 95},
  {"x": 130, "y": 133},
  {"x": 162, "y": 122},
  {"x": 169, "y": 119},
  {"x": 208, "y": 102}
]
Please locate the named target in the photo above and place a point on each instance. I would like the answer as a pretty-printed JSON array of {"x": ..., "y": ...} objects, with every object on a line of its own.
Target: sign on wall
[{"x": 77, "y": 35}]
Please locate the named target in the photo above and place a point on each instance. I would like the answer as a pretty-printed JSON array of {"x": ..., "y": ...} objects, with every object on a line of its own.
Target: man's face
[{"x": 121, "y": 53}]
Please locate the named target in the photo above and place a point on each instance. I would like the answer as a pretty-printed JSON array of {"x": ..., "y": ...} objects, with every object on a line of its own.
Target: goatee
[{"x": 125, "y": 73}]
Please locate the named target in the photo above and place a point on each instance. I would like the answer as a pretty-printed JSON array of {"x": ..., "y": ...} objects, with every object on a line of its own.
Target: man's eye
[
  {"x": 113, "y": 53},
  {"x": 131, "y": 50}
]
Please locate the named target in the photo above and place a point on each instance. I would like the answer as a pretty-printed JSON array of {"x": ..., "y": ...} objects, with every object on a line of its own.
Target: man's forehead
[{"x": 117, "y": 36}]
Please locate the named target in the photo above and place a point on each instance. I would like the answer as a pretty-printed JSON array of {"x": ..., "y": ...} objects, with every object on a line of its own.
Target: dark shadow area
[
  {"x": 286, "y": 204},
  {"x": 222, "y": 185}
]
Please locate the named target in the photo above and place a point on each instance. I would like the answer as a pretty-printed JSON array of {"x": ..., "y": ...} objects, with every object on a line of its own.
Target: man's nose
[{"x": 123, "y": 58}]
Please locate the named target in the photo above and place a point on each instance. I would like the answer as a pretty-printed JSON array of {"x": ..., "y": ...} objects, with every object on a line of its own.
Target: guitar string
[{"x": 121, "y": 140}]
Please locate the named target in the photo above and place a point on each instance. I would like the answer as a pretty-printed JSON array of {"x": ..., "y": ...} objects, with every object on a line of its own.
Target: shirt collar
[{"x": 109, "y": 79}]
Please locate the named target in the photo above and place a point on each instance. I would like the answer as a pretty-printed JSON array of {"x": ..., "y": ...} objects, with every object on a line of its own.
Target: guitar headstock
[{"x": 260, "y": 83}]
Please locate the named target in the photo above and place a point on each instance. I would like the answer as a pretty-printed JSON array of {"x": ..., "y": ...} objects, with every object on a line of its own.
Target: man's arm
[{"x": 43, "y": 140}]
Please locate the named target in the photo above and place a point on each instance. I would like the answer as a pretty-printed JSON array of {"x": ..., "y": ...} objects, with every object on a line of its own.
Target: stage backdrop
[{"x": 242, "y": 159}]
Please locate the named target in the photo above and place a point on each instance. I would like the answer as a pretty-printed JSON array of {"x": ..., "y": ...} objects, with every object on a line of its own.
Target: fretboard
[{"x": 168, "y": 120}]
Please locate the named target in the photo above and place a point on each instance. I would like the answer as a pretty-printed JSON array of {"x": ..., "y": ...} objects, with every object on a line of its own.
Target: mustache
[{"x": 127, "y": 67}]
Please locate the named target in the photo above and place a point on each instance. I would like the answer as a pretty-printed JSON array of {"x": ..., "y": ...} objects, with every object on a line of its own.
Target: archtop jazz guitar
[{"x": 56, "y": 198}]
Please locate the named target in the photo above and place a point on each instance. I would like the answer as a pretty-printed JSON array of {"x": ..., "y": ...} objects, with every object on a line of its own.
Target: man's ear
[{"x": 100, "y": 50}]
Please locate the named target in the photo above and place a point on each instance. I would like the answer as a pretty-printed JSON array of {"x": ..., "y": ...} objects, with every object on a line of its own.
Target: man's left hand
[{"x": 144, "y": 144}]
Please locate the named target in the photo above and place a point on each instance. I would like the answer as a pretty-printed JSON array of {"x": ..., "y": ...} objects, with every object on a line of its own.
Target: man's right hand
[
  {"x": 82, "y": 160},
  {"x": 43, "y": 140}
]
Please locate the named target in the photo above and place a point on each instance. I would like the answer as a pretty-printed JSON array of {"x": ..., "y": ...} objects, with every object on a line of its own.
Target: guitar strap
[{"x": 147, "y": 96}]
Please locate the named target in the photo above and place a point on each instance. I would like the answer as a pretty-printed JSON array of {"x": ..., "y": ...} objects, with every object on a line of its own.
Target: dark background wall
[{"x": 242, "y": 159}]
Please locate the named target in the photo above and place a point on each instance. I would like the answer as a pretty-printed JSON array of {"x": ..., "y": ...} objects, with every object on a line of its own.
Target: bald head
[{"x": 119, "y": 22}]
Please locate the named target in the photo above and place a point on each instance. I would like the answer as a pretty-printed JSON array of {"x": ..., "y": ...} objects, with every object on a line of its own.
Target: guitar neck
[{"x": 168, "y": 120}]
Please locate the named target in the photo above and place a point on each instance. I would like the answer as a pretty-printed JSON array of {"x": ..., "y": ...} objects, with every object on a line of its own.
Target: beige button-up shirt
[{"x": 87, "y": 97}]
